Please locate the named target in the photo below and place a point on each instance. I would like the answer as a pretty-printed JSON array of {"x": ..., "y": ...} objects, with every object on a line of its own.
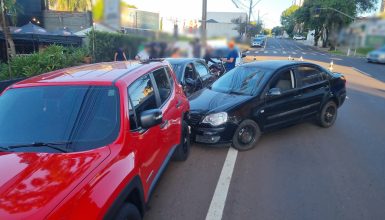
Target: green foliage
[
  {"x": 70, "y": 5},
  {"x": 315, "y": 14},
  {"x": 98, "y": 9},
  {"x": 277, "y": 31},
  {"x": 52, "y": 58},
  {"x": 288, "y": 19},
  {"x": 107, "y": 43},
  {"x": 254, "y": 29},
  {"x": 240, "y": 25}
]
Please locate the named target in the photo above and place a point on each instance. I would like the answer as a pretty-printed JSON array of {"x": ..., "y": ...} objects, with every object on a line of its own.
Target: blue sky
[{"x": 270, "y": 10}]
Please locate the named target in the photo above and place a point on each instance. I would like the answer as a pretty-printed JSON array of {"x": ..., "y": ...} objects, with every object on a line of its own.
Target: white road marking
[
  {"x": 293, "y": 52},
  {"x": 303, "y": 53},
  {"x": 284, "y": 52},
  {"x": 367, "y": 74},
  {"x": 274, "y": 51},
  {"x": 218, "y": 201},
  {"x": 266, "y": 51}
]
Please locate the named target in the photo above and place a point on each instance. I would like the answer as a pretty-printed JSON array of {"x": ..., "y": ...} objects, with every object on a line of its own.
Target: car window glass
[
  {"x": 189, "y": 72},
  {"x": 201, "y": 69},
  {"x": 178, "y": 70},
  {"x": 308, "y": 75},
  {"x": 285, "y": 81},
  {"x": 86, "y": 116},
  {"x": 243, "y": 80},
  {"x": 142, "y": 97},
  {"x": 163, "y": 84},
  {"x": 169, "y": 74}
]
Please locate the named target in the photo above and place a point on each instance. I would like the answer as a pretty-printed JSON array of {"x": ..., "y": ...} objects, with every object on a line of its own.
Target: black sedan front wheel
[
  {"x": 246, "y": 136},
  {"x": 328, "y": 114}
]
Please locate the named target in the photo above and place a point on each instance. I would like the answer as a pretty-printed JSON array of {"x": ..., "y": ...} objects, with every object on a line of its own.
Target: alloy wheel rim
[
  {"x": 329, "y": 114},
  {"x": 246, "y": 135}
]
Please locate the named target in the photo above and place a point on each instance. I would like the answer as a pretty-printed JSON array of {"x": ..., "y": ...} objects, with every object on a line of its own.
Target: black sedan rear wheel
[
  {"x": 246, "y": 136},
  {"x": 328, "y": 114}
]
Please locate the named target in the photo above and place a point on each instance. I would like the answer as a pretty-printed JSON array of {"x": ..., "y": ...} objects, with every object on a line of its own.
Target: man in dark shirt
[
  {"x": 120, "y": 55},
  {"x": 231, "y": 57}
]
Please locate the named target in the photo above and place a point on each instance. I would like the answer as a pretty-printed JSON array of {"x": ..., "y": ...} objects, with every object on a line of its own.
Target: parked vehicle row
[{"x": 80, "y": 141}]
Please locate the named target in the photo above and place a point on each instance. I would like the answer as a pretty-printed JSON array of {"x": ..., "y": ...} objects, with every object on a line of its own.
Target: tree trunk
[{"x": 7, "y": 33}]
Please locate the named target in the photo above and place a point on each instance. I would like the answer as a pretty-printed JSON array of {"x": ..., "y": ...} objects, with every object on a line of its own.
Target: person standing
[
  {"x": 196, "y": 48},
  {"x": 231, "y": 58},
  {"x": 120, "y": 55},
  {"x": 144, "y": 54}
]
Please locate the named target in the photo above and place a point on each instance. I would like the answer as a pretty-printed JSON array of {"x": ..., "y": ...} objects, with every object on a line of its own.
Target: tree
[
  {"x": 255, "y": 29},
  {"x": 6, "y": 7},
  {"x": 98, "y": 9},
  {"x": 327, "y": 17},
  {"x": 277, "y": 31},
  {"x": 70, "y": 5},
  {"x": 241, "y": 25},
  {"x": 288, "y": 19}
]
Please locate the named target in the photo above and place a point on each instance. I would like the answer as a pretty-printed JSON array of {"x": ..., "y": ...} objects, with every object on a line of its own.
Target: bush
[
  {"x": 52, "y": 58},
  {"x": 107, "y": 43}
]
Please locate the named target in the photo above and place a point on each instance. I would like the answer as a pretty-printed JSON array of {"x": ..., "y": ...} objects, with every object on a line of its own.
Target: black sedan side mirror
[
  {"x": 243, "y": 55},
  {"x": 150, "y": 118},
  {"x": 274, "y": 92}
]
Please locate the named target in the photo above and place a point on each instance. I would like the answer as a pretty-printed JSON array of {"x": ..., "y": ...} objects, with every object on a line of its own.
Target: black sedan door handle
[{"x": 164, "y": 124}]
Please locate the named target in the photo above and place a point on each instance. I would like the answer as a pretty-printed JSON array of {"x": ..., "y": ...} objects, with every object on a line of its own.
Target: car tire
[
  {"x": 246, "y": 136},
  {"x": 183, "y": 149},
  {"x": 129, "y": 211},
  {"x": 328, "y": 114}
]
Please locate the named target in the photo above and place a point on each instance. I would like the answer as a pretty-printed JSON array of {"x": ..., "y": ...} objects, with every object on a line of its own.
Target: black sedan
[
  {"x": 261, "y": 96},
  {"x": 192, "y": 73}
]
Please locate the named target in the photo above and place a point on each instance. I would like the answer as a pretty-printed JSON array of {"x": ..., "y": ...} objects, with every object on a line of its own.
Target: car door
[
  {"x": 190, "y": 73},
  {"x": 285, "y": 108},
  {"x": 170, "y": 129},
  {"x": 204, "y": 73},
  {"x": 142, "y": 97},
  {"x": 314, "y": 88}
]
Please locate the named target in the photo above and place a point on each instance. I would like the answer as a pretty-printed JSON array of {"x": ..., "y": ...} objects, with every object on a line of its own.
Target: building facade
[{"x": 219, "y": 24}]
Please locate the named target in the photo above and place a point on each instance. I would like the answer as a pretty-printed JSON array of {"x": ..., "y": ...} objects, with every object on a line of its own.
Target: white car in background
[{"x": 299, "y": 37}]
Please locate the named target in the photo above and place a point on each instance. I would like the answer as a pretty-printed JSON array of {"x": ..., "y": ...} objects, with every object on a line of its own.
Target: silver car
[{"x": 377, "y": 56}]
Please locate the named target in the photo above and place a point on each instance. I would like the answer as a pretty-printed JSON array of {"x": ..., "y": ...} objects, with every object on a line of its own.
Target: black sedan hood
[{"x": 208, "y": 101}]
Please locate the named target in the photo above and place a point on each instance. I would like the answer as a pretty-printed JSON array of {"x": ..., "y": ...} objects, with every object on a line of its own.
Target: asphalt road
[
  {"x": 297, "y": 49},
  {"x": 301, "y": 172}
]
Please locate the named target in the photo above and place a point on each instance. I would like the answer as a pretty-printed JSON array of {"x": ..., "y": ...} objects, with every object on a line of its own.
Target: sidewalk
[{"x": 342, "y": 51}]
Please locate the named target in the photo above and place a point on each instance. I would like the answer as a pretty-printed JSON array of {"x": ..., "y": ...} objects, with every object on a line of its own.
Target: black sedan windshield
[
  {"x": 243, "y": 80},
  {"x": 84, "y": 116}
]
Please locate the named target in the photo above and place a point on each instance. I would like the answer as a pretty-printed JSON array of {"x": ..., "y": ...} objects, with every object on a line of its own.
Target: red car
[{"x": 89, "y": 142}]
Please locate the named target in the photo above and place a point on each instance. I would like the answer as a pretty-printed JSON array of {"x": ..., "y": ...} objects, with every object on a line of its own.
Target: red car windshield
[{"x": 87, "y": 117}]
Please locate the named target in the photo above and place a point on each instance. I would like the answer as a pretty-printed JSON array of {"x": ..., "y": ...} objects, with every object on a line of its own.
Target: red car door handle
[{"x": 164, "y": 124}]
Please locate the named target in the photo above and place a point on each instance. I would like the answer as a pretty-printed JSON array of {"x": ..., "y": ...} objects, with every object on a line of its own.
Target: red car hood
[{"x": 32, "y": 184}]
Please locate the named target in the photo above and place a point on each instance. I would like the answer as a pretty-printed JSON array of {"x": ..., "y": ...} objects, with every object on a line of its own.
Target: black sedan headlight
[{"x": 216, "y": 119}]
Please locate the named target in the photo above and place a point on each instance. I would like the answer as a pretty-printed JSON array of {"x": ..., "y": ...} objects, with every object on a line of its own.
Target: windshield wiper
[{"x": 54, "y": 145}]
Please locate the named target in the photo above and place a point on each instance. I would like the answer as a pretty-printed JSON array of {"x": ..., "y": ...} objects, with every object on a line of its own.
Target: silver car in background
[{"x": 377, "y": 56}]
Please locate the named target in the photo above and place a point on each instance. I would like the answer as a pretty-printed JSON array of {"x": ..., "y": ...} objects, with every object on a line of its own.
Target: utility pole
[
  {"x": 239, "y": 4},
  {"x": 204, "y": 23},
  {"x": 250, "y": 11}
]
